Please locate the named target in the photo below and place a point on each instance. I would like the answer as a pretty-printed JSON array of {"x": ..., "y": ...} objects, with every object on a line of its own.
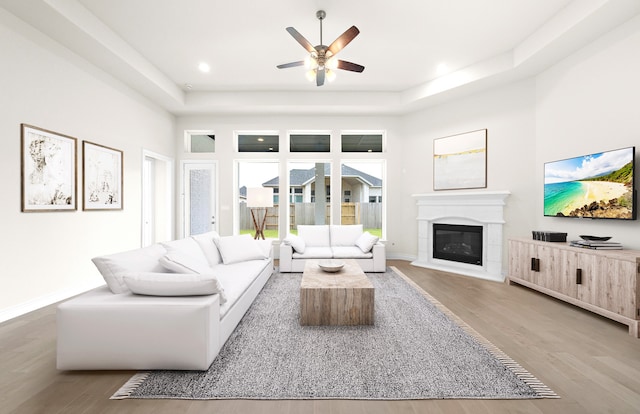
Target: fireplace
[
  {"x": 471, "y": 223},
  {"x": 458, "y": 243}
]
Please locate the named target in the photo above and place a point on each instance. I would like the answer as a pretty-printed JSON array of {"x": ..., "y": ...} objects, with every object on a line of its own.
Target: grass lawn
[
  {"x": 268, "y": 234},
  {"x": 273, "y": 234}
]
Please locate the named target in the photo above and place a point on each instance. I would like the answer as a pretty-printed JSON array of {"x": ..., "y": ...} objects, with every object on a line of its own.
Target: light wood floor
[{"x": 591, "y": 362}]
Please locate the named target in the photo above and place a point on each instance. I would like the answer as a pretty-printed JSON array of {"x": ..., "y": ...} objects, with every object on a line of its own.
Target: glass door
[{"x": 199, "y": 185}]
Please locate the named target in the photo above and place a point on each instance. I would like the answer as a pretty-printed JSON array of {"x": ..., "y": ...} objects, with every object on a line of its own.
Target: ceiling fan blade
[
  {"x": 301, "y": 39},
  {"x": 353, "y": 67},
  {"x": 320, "y": 77},
  {"x": 291, "y": 64},
  {"x": 343, "y": 40}
]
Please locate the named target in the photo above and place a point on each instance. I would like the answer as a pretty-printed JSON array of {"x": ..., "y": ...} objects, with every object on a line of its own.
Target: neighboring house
[{"x": 357, "y": 186}]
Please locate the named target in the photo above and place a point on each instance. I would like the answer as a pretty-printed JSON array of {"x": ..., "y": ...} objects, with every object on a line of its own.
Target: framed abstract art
[
  {"x": 48, "y": 170},
  {"x": 101, "y": 177},
  {"x": 460, "y": 161}
]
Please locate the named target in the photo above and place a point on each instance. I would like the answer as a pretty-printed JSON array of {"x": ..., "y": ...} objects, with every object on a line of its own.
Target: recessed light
[
  {"x": 260, "y": 139},
  {"x": 442, "y": 69},
  {"x": 204, "y": 67}
]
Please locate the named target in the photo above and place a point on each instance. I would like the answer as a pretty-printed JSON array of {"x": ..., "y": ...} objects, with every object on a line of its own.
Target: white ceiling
[{"x": 155, "y": 46}]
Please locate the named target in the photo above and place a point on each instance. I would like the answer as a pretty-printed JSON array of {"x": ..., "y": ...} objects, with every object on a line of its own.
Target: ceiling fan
[{"x": 321, "y": 61}]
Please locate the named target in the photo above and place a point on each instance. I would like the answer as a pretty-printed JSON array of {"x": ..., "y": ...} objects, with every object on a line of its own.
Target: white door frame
[{"x": 148, "y": 204}]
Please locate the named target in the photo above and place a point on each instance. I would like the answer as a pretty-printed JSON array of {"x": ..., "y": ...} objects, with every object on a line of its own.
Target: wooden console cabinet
[{"x": 606, "y": 282}]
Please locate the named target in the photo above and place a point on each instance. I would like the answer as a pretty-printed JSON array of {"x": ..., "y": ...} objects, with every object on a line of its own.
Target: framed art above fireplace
[{"x": 460, "y": 161}]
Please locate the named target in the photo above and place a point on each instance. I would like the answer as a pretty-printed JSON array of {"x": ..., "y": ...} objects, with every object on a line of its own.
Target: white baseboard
[
  {"x": 46, "y": 300},
  {"x": 396, "y": 256},
  {"x": 464, "y": 271}
]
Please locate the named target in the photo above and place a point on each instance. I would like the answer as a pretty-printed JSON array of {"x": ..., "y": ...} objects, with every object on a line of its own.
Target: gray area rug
[{"x": 416, "y": 350}]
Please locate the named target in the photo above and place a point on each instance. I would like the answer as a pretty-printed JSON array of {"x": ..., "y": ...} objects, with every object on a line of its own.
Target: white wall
[
  {"x": 508, "y": 114},
  {"x": 571, "y": 109},
  {"x": 46, "y": 256},
  {"x": 225, "y": 152},
  {"x": 590, "y": 102},
  {"x": 586, "y": 103}
]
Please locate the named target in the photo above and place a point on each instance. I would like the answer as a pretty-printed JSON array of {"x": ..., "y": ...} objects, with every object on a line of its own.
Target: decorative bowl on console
[{"x": 595, "y": 238}]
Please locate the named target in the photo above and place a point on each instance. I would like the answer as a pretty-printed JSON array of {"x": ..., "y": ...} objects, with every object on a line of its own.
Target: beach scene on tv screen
[{"x": 594, "y": 186}]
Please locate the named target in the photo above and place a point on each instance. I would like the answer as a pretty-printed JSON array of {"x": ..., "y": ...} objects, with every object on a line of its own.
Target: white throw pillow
[
  {"x": 173, "y": 284},
  {"x": 188, "y": 246},
  {"x": 345, "y": 235},
  {"x": 296, "y": 242},
  {"x": 181, "y": 262},
  {"x": 314, "y": 235},
  {"x": 234, "y": 249},
  {"x": 366, "y": 241},
  {"x": 208, "y": 246},
  {"x": 112, "y": 267}
]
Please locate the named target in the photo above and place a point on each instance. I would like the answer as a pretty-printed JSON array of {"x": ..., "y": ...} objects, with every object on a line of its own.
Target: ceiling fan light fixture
[
  {"x": 310, "y": 62},
  {"x": 321, "y": 63},
  {"x": 331, "y": 63},
  {"x": 311, "y": 75}
]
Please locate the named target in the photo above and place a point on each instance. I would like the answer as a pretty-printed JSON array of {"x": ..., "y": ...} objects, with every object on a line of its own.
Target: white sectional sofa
[
  {"x": 332, "y": 242},
  {"x": 190, "y": 294}
]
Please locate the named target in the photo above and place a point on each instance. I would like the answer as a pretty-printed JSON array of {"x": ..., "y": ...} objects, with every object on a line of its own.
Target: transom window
[
  {"x": 361, "y": 142},
  {"x": 258, "y": 143},
  {"x": 309, "y": 143},
  {"x": 200, "y": 141}
]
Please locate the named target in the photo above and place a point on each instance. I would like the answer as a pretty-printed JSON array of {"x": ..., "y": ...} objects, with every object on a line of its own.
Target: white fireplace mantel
[{"x": 480, "y": 208}]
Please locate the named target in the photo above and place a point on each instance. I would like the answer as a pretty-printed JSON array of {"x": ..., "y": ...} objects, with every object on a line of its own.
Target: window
[
  {"x": 309, "y": 143},
  {"x": 362, "y": 188},
  {"x": 200, "y": 141},
  {"x": 327, "y": 193},
  {"x": 253, "y": 174},
  {"x": 296, "y": 195},
  {"x": 306, "y": 197},
  {"x": 254, "y": 142},
  {"x": 352, "y": 142},
  {"x": 309, "y": 201}
]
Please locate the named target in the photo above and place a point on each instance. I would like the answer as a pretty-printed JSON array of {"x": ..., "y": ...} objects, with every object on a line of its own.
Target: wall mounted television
[{"x": 597, "y": 186}]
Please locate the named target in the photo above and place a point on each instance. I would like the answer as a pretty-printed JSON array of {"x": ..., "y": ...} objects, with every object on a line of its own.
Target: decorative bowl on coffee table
[{"x": 331, "y": 266}]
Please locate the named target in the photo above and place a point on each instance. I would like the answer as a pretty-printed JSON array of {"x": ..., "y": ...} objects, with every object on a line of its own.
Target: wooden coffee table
[{"x": 342, "y": 298}]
